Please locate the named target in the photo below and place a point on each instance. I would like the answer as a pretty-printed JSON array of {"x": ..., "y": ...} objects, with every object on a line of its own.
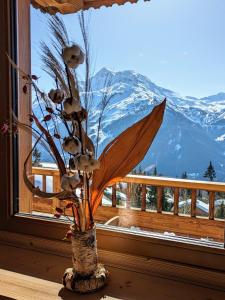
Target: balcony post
[
  {"x": 193, "y": 203},
  {"x": 176, "y": 201},
  {"x": 143, "y": 197},
  {"x": 159, "y": 199},
  {"x": 114, "y": 195},
  {"x": 211, "y": 205}
]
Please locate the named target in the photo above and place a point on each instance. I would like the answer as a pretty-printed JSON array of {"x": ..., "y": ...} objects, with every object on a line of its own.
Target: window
[{"x": 114, "y": 196}]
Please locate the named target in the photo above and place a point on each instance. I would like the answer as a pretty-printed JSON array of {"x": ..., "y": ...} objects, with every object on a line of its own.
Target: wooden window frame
[{"x": 109, "y": 239}]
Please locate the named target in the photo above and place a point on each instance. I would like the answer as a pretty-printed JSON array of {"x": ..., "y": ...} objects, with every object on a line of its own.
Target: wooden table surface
[{"x": 22, "y": 287}]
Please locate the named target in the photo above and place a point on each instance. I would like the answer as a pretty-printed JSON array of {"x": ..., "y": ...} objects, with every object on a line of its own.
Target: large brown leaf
[{"x": 122, "y": 154}]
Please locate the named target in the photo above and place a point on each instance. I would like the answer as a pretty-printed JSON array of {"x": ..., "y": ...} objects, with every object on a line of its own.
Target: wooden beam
[
  {"x": 159, "y": 199},
  {"x": 24, "y": 103},
  {"x": 211, "y": 205},
  {"x": 156, "y": 181},
  {"x": 184, "y": 225},
  {"x": 193, "y": 203},
  {"x": 174, "y": 182},
  {"x": 44, "y": 183},
  {"x": 128, "y": 195},
  {"x": 114, "y": 195},
  {"x": 143, "y": 197}
]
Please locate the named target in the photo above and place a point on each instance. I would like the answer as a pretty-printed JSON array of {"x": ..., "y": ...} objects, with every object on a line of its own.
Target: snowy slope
[{"x": 193, "y": 132}]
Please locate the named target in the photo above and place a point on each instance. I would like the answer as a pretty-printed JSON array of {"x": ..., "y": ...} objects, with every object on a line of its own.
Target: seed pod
[
  {"x": 86, "y": 163},
  {"x": 73, "y": 56},
  {"x": 71, "y": 105},
  {"x": 56, "y": 96},
  {"x": 71, "y": 145},
  {"x": 82, "y": 115},
  {"x": 69, "y": 183}
]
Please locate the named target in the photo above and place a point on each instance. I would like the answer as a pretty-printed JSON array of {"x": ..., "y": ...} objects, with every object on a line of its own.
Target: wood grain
[
  {"x": 193, "y": 203},
  {"x": 24, "y": 101},
  {"x": 199, "y": 227},
  {"x": 159, "y": 199},
  {"x": 36, "y": 275},
  {"x": 143, "y": 197},
  {"x": 176, "y": 201}
]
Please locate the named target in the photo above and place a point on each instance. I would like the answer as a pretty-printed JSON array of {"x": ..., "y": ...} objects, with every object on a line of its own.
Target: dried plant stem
[
  {"x": 52, "y": 145},
  {"x": 83, "y": 204},
  {"x": 89, "y": 204},
  {"x": 55, "y": 121},
  {"x": 85, "y": 198},
  {"x": 81, "y": 215}
]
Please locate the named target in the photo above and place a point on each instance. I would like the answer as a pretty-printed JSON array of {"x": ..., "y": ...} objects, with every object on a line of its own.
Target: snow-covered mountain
[
  {"x": 193, "y": 131},
  {"x": 192, "y": 134}
]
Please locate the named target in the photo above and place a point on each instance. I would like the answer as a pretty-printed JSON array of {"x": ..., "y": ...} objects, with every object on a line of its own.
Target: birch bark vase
[
  {"x": 87, "y": 275},
  {"x": 84, "y": 252}
]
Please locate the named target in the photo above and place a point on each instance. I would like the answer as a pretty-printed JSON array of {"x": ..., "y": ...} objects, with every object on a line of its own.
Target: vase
[{"x": 87, "y": 275}]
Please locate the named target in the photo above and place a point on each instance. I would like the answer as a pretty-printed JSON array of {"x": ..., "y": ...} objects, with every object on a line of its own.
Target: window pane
[{"x": 189, "y": 145}]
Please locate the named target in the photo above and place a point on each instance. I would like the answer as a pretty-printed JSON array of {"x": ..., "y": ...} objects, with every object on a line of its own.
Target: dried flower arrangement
[{"x": 83, "y": 177}]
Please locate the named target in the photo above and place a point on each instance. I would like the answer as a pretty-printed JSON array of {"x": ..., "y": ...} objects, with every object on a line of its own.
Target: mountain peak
[{"x": 103, "y": 72}]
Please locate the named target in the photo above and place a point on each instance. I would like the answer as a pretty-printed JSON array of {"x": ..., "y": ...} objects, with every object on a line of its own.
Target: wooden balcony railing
[{"x": 126, "y": 213}]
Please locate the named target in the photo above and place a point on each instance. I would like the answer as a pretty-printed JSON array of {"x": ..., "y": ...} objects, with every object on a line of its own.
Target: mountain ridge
[{"x": 192, "y": 133}]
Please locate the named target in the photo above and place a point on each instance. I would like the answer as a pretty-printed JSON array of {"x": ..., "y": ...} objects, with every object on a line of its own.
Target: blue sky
[{"x": 179, "y": 45}]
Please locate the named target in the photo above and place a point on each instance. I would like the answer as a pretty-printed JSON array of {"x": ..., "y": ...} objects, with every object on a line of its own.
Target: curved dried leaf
[{"x": 125, "y": 152}]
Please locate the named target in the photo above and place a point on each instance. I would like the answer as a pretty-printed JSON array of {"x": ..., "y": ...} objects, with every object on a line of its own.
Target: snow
[
  {"x": 218, "y": 202},
  {"x": 177, "y": 147},
  {"x": 199, "y": 204},
  {"x": 220, "y": 138},
  {"x": 190, "y": 124}
]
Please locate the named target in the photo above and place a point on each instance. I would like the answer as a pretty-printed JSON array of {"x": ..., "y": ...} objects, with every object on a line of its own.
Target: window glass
[{"x": 139, "y": 56}]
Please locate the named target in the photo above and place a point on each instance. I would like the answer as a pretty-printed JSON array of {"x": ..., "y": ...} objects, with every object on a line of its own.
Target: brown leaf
[
  {"x": 49, "y": 109},
  {"x": 59, "y": 210},
  {"x": 34, "y": 77},
  {"x": 25, "y": 89},
  {"x": 57, "y": 215},
  {"x": 47, "y": 118},
  {"x": 69, "y": 205},
  {"x": 57, "y": 136},
  {"x": 125, "y": 152}
]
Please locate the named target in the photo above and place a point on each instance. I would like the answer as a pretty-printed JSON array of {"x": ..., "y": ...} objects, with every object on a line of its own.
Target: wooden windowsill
[
  {"x": 47, "y": 259},
  {"x": 27, "y": 274},
  {"x": 18, "y": 286}
]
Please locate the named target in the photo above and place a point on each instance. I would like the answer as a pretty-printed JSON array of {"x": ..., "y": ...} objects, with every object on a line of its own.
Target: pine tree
[
  {"x": 210, "y": 172},
  {"x": 166, "y": 205},
  {"x": 184, "y": 175},
  {"x": 220, "y": 212},
  {"x": 36, "y": 158},
  {"x": 140, "y": 170},
  {"x": 154, "y": 173},
  {"x": 185, "y": 193}
]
